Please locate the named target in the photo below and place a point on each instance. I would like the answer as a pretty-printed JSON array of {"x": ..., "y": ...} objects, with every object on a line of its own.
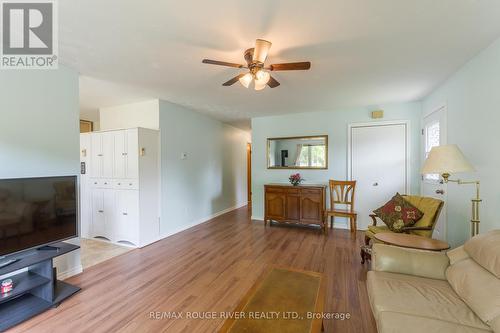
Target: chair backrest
[
  {"x": 431, "y": 208},
  {"x": 342, "y": 192}
]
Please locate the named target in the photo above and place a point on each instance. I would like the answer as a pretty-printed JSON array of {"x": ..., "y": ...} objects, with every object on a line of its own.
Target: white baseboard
[
  {"x": 257, "y": 218},
  {"x": 70, "y": 272},
  {"x": 200, "y": 221}
]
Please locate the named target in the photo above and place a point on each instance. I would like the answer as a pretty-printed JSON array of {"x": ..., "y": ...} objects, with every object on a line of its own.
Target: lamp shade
[
  {"x": 246, "y": 79},
  {"x": 447, "y": 159},
  {"x": 261, "y": 50}
]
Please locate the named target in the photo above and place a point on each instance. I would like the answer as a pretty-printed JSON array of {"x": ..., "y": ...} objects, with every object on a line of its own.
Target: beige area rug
[{"x": 95, "y": 251}]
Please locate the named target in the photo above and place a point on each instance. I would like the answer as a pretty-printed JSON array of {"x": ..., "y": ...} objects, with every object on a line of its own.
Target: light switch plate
[{"x": 184, "y": 156}]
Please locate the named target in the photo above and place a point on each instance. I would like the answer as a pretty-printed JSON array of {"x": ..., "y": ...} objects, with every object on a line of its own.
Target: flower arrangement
[{"x": 295, "y": 179}]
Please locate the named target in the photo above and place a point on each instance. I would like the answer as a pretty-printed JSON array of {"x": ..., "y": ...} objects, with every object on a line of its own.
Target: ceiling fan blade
[
  {"x": 272, "y": 82},
  {"x": 290, "y": 66},
  {"x": 233, "y": 80},
  {"x": 261, "y": 50},
  {"x": 221, "y": 63}
]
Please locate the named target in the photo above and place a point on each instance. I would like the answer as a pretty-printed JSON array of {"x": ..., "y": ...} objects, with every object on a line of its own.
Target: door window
[{"x": 432, "y": 139}]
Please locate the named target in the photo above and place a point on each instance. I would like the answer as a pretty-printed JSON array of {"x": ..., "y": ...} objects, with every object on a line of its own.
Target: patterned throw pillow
[{"x": 398, "y": 213}]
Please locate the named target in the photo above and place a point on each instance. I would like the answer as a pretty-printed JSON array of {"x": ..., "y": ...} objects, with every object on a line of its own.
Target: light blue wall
[
  {"x": 39, "y": 129},
  {"x": 334, "y": 124},
  {"x": 211, "y": 179},
  {"x": 472, "y": 96}
]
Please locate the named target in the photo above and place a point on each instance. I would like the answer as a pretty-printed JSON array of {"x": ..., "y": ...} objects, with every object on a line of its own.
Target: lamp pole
[{"x": 475, "y": 201}]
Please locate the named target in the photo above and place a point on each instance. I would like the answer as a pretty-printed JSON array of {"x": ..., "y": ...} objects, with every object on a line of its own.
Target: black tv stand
[
  {"x": 36, "y": 289},
  {"x": 48, "y": 248}
]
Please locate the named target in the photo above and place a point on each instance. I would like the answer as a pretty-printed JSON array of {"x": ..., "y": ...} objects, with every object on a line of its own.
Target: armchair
[{"x": 431, "y": 208}]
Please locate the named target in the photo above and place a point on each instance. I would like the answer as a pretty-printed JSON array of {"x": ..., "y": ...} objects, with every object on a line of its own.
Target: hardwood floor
[{"x": 209, "y": 268}]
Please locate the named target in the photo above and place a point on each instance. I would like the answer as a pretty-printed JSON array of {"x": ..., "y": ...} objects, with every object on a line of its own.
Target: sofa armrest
[
  {"x": 374, "y": 219},
  {"x": 386, "y": 258}
]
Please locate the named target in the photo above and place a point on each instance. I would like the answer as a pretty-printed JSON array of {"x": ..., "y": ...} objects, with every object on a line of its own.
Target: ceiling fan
[{"x": 257, "y": 71}]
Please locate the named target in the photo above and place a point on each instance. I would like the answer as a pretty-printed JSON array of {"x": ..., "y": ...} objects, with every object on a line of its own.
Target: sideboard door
[
  {"x": 275, "y": 204},
  {"x": 293, "y": 205},
  {"x": 311, "y": 202}
]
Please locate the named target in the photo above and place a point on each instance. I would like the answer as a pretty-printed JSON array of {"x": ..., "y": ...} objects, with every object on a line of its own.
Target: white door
[
  {"x": 108, "y": 150},
  {"x": 132, "y": 153},
  {"x": 96, "y": 155},
  {"x": 434, "y": 134},
  {"x": 126, "y": 226},
  {"x": 378, "y": 161},
  {"x": 120, "y": 154},
  {"x": 98, "y": 217}
]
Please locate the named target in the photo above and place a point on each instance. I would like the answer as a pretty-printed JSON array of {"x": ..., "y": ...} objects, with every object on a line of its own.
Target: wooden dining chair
[{"x": 342, "y": 193}]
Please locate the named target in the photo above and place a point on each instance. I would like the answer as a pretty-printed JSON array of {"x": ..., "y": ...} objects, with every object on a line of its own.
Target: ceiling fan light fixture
[
  {"x": 262, "y": 77},
  {"x": 246, "y": 79},
  {"x": 259, "y": 85},
  {"x": 261, "y": 50}
]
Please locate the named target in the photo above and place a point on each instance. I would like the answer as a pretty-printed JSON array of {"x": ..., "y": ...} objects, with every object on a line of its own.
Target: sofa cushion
[
  {"x": 485, "y": 250},
  {"x": 423, "y": 297},
  {"x": 477, "y": 287},
  {"x": 457, "y": 254},
  {"x": 395, "y": 259},
  {"x": 395, "y": 322},
  {"x": 398, "y": 213},
  {"x": 495, "y": 325}
]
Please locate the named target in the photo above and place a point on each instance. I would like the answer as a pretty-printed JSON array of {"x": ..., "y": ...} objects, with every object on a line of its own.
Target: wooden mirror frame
[{"x": 325, "y": 137}]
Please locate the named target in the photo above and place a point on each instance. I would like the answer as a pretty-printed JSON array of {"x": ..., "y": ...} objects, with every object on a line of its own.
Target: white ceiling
[{"x": 363, "y": 52}]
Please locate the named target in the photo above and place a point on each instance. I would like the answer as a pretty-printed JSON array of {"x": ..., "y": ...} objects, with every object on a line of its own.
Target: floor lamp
[{"x": 449, "y": 159}]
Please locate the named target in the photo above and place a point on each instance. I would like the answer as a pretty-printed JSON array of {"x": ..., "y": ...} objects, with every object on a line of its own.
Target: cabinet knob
[
  {"x": 375, "y": 184},
  {"x": 105, "y": 183},
  {"x": 95, "y": 183},
  {"x": 100, "y": 211},
  {"x": 119, "y": 183},
  {"x": 440, "y": 191},
  {"x": 130, "y": 184},
  {"x": 124, "y": 213},
  {"x": 124, "y": 154},
  {"x": 100, "y": 155}
]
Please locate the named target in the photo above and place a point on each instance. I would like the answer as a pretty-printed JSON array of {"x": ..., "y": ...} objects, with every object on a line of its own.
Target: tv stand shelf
[{"x": 36, "y": 289}]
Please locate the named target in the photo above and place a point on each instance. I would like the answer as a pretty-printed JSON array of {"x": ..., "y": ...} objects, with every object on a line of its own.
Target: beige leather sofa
[{"x": 418, "y": 291}]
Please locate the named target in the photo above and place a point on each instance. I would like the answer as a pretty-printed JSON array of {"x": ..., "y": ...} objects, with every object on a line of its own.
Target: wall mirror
[{"x": 302, "y": 152}]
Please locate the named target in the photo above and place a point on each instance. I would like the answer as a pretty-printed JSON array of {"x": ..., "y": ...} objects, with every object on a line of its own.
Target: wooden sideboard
[{"x": 303, "y": 204}]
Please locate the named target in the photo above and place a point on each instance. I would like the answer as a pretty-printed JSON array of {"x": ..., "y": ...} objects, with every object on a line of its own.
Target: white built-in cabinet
[{"x": 120, "y": 185}]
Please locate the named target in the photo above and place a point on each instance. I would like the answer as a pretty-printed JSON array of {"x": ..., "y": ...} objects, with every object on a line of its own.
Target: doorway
[
  {"x": 378, "y": 160},
  {"x": 434, "y": 134},
  {"x": 249, "y": 173}
]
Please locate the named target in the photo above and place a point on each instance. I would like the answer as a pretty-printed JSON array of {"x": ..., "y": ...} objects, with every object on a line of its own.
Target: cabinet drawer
[
  {"x": 311, "y": 191},
  {"x": 275, "y": 190},
  {"x": 293, "y": 191},
  {"x": 126, "y": 184},
  {"x": 101, "y": 183}
]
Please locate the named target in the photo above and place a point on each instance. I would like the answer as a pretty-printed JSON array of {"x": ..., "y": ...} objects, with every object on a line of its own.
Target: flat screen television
[{"x": 37, "y": 211}]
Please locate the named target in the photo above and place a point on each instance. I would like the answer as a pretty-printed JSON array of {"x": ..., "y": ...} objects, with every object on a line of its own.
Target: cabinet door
[
  {"x": 98, "y": 227},
  {"x": 310, "y": 206},
  {"x": 132, "y": 151},
  {"x": 275, "y": 204},
  {"x": 96, "y": 155},
  {"x": 126, "y": 225},
  {"x": 293, "y": 207},
  {"x": 120, "y": 154},
  {"x": 109, "y": 212},
  {"x": 108, "y": 150}
]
